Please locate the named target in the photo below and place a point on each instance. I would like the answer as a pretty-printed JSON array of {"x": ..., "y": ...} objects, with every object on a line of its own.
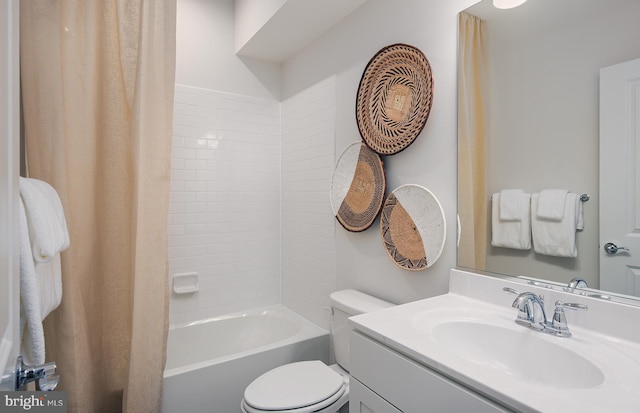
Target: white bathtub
[{"x": 211, "y": 362}]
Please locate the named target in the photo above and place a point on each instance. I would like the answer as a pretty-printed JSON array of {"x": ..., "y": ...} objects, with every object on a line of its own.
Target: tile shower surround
[
  {"x": 308, "y": 224},
  {"x": 248, "y": 210}
]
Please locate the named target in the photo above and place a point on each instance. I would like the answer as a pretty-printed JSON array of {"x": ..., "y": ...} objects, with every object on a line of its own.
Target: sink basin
[
  {"x": 519, "y": 353},
  {"x": 475, "y": 342}
]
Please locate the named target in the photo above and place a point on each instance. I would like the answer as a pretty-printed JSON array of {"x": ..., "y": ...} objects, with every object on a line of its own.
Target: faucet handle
[
  {"x": 571, "y": 306},
  {"x": 559, "y": 324},
  {"x": 48, "y": 383},
  {"x": 518, "y": 293},
  {"x": 511, "y": 291}
]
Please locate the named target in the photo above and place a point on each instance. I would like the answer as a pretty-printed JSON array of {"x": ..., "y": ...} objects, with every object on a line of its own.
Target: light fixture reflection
[{"x": 507, "y": 4}]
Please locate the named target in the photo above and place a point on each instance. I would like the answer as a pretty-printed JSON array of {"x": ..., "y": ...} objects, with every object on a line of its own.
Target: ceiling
[{"x": 294, "y": 25}]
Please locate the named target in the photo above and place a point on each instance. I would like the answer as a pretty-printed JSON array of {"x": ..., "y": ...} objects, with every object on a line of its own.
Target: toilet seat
[
  {"x": 311, "y": 386},
  {"x": 314, "y": 408}
]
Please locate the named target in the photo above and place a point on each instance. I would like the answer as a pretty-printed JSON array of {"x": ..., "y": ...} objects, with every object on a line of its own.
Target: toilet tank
[{"x": 344, "y": 304}]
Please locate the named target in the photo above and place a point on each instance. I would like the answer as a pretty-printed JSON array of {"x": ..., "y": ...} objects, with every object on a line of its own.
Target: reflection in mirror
[{"x": 528, "y": 118}]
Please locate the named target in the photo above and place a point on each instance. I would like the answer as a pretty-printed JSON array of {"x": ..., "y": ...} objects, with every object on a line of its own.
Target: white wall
[
  {"x": 361, "y": 261},
  {"x": 339, "y": 57},
  {"x": 224, "y": 218},
  {"x": 250, "y": 16},
  {"x": 205, "y": 52},
  {"x": 9, "y": 193},
  {"x": 224, "y": 212},
  {"x": 308, "y": 231}
]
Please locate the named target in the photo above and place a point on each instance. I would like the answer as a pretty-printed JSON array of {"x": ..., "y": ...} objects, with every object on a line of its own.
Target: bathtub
[{"x": 211, "y": 362}]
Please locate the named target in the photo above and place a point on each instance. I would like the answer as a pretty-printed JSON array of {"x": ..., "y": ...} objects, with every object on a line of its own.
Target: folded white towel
[
  {"x": 47, "y": 225},
  {"x": 557, "y": 238},
  {"x": 31, "y": 332},
  {"x": 511, "y": 234},
  {"x": 511, "y": 204},
  {"x": 551, "y": 204}
]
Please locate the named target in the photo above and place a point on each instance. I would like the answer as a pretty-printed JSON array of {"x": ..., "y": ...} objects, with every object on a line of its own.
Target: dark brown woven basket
[
  {"x": 394, "y": 98},
  {"x": 364, "y": 199}
]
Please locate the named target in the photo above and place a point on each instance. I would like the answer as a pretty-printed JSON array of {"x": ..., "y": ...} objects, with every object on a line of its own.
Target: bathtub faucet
[{"x": 45, "y": 375}]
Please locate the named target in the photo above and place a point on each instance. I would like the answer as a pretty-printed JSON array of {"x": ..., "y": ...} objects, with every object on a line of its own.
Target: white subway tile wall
[
  {"x": 308, "y": 224},
  {"x": 224, "y": 213},
  {"x": 249, "y": 206}
]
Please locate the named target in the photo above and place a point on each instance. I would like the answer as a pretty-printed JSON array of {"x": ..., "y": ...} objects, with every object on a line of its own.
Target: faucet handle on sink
[
  {"x": 511, "y": 291},
  {"x": 518, "y": 293},
  {"x": 559, "y": 324}
]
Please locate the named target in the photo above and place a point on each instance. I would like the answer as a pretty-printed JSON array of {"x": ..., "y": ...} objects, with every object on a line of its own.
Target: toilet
[{"x": 312, "y": 386}]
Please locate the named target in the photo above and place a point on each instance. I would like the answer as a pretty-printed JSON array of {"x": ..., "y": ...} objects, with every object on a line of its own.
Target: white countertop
[{"x": 408, "y": 329}]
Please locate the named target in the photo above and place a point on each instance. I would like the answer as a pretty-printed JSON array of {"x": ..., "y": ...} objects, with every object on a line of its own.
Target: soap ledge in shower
[{"x": 185, "y": 283}]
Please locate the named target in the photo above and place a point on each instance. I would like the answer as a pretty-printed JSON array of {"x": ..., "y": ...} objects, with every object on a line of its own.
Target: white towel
[
  {"x": 551, "y": 204},
  {"x": 579, "y": 214},
  {"x": 31, "y": 332},
  {"x": 511, "y": 234},
  {"x": 511, "y": 208},
  {"x": 557, "y": 238},
  {"x": 47, "y": 225},
  {"x": 49, "y": 279}
]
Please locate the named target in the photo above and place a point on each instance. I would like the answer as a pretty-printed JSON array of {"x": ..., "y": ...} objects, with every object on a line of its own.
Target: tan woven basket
[
  {"x": 394, "y": 98},
  {"x": 400, "y": 237},
  {"x": 413, "y": 227}
]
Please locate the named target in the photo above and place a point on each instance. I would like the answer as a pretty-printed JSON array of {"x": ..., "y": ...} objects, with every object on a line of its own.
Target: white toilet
[{"x": 312, "y": 386}]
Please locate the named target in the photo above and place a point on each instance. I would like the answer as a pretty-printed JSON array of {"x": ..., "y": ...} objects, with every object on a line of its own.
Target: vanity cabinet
[
  {"x": 385, "y": 381},
  {"x": 363, "y": 400}
]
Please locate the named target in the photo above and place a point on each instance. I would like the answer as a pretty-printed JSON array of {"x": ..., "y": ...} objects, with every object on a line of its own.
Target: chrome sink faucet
[
  {"x": 577, "y": 282},
  {"x": 530, "y": 310},
  {"x": 531, "y": 313}
]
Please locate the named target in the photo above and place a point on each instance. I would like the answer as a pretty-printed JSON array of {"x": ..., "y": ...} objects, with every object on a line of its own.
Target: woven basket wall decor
[
  {"x": 413, "y": 227},
  {"x": 394, "y": 98},
  {"x": 357, "y": 187}
]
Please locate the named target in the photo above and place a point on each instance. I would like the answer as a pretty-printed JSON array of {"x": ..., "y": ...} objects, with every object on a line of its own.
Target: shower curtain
[
  {"x": 472, "y": 132},
  {"x": 97, "y": 84}
]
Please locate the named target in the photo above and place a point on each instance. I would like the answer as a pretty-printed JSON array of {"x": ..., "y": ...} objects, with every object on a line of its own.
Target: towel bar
[{"x": 583, "y": 197}]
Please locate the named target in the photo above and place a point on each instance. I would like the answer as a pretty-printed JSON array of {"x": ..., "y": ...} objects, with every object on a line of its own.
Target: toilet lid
[{"x": 293, "y": 385}]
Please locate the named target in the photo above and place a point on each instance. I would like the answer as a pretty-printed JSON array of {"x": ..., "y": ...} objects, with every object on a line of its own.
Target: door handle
[{"x": 611, "y": 248}]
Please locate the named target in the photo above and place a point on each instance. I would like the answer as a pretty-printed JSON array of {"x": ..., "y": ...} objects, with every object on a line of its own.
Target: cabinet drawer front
[
  {"x": 410, "y": 386},
  {"x": 363, "y": 400}
]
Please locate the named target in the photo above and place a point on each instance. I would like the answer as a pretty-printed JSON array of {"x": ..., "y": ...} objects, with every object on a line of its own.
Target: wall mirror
[{"x": 529, "y": 119}]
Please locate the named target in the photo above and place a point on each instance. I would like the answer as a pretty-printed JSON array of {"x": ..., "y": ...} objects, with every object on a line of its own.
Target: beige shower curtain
[
  {"x": 97, "y": 85},
  {"x": 472, "y": 133}
]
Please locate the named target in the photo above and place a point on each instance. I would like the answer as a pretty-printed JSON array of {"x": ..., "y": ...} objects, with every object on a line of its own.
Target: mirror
[{"x": 540, "y": 128}]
